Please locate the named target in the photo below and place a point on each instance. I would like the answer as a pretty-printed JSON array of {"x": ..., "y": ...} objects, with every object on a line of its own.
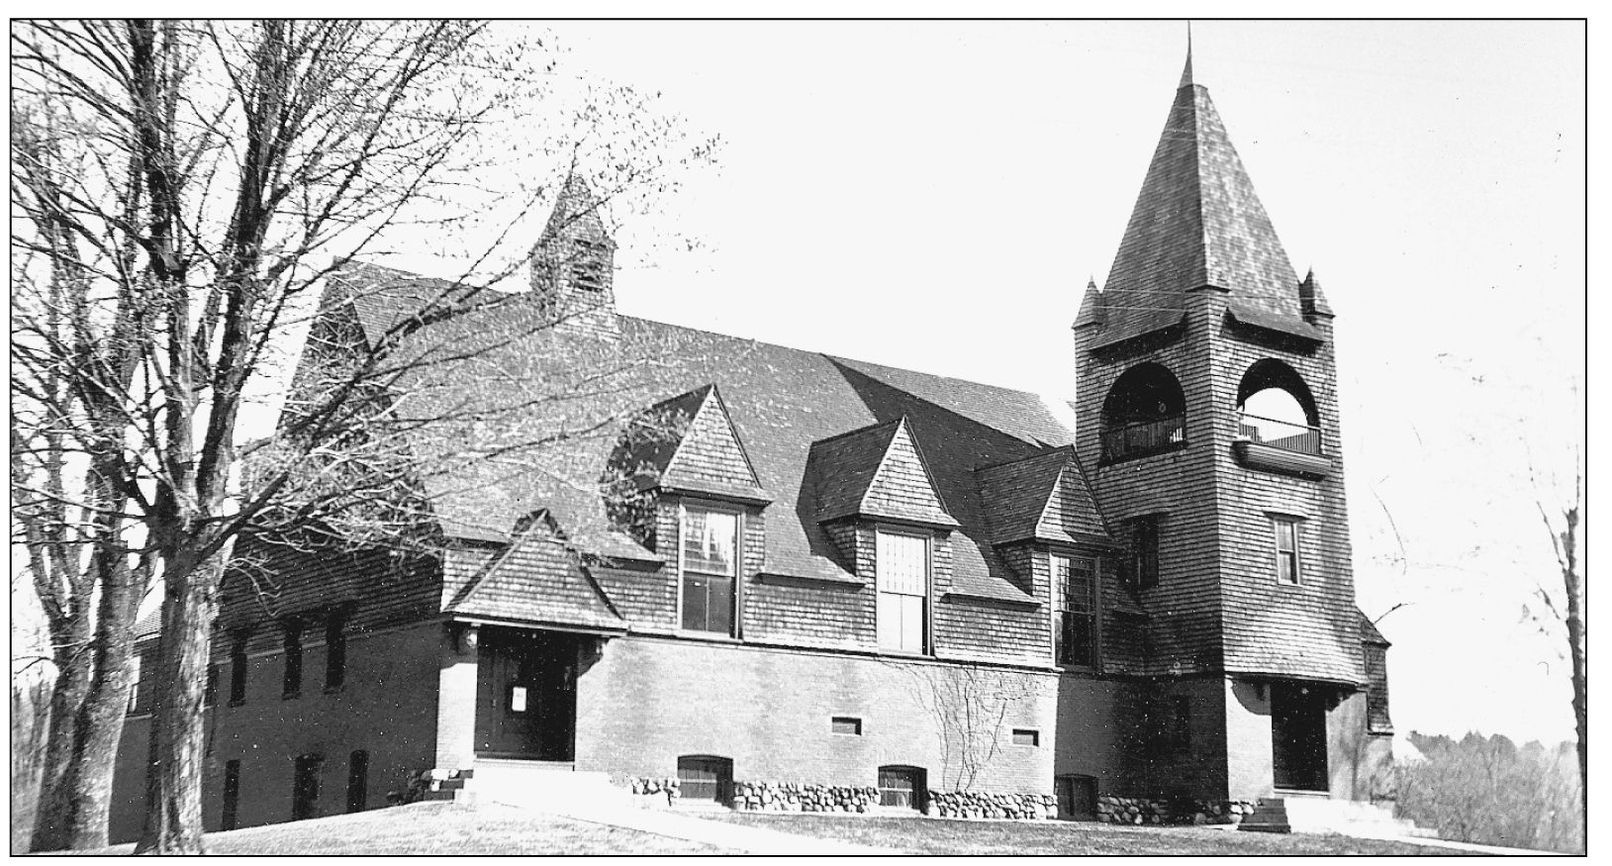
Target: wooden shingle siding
[
  {"x": 710, "y": 451},
  {"x": 901, "y": 487},
  {"x": 378, "y": 589},
  {"x": 1184, "y": 608},
  {"x": 1309, "y": 630}
]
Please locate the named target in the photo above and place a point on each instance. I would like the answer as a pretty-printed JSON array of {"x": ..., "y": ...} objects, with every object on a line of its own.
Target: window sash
[
  {"x": 1287, "y": 537},
  {"x": 708, "y": 603},
  {"x": 901, "y": 563},
  {"x": 901, "y": 622},
  {"x": 710, "y": 539}
]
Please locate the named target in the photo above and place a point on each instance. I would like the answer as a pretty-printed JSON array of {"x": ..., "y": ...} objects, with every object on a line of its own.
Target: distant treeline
[{"x": 1490, "y": 791}]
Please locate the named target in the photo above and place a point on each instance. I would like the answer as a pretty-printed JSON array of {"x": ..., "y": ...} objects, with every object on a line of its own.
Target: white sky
[{"x": 935, "y": 195}]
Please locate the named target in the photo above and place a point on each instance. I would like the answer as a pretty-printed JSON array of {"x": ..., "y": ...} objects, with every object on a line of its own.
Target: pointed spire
[
  {"x": 1197, "y": 223},
  {"x": 1312, "y": 299},
  {"x": 1186, "y": 73},
  {"x": 1091, "y": 306}
]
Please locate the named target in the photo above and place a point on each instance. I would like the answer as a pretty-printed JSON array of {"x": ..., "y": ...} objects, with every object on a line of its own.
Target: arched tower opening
[
  {"x": 1144, "y": 413},
  {"x": 1276, "y": 408}
]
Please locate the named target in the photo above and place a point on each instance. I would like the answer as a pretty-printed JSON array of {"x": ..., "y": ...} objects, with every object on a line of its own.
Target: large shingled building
[{"x": 775, "y": 570}]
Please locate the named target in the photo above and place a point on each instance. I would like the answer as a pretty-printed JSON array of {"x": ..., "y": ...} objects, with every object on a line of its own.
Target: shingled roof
[
  {"x": 1198, "y": 222},
  {"x": 1041, "y": 498},
  {"x": 780, "y": 401},
  {"x": 536, "y": 579}
]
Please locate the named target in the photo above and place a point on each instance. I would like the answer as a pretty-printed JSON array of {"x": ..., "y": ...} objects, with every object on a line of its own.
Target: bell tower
[
  {"x": 573, "y": 265},
  {"x": 1207, "y": 419}
]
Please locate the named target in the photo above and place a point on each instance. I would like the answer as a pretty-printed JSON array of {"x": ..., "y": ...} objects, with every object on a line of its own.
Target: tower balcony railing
[
  {"x": 1144, "y": 437},
  {"x": 1285, "y": 435}
]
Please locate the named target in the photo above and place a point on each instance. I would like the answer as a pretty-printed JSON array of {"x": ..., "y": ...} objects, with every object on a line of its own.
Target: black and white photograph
[{"x": 773, "y": 436}]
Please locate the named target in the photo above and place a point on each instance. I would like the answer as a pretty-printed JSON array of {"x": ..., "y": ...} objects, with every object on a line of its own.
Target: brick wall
[
  {"x": 649, "y": 700},
  {"x": 386, "y": 706}
]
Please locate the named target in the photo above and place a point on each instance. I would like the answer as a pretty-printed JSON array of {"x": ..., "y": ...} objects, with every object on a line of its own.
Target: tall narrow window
[
  {"x": 901, "y": 563},
  {"x": 1143, "y": 553},
  {"x": 237, "y": 670},
  {"x": 210, "y": 696},
  {"x": 293, "y": 660},
  {"x": 1074, "y": 608},
  {"x": 1180, "y": 724},
  {"x": 357, "y": 780},
  {"x": 710, "y": 566},
  {"x": 1287, "y": 548},
  {"x": 134, "y": 683},
  {"x": 335, "y": 651},
  {"x": 305, "y": 787},
  {"x": 232, "y": 795}
]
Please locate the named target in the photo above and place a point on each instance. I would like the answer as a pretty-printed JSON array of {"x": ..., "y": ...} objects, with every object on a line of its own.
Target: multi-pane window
[
  {"x": 710, "y": 566},
  {"x": 1287, "y": 548},
  {"x": 1143, "y": 553},
  {"x": 1074, "y": 610},
  {"x": 902, "y": 566}
]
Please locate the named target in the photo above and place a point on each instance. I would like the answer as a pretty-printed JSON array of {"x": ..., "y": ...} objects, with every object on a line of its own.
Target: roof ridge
[
  {"x": 830, "y": 356},
  {"x": 864, "y": 429},
  {"x": 1047, "y": 452}
]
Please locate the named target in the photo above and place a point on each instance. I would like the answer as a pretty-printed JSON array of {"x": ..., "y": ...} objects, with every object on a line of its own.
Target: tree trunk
[
  {"x": 1574, "y": 585},
  {"x": 189, "y": 607},
  {"x": 64, "y": 749}
]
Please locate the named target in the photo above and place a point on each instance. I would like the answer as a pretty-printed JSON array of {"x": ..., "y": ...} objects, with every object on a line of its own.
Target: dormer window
[
  {"x": 710, "y": 564},
  {"x": 901, "y": 565}
]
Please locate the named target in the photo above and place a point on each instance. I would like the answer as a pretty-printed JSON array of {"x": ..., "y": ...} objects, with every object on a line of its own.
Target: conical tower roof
[
  {"x": 1198, "y": 222},
  {"x": 576, "y": 212}
]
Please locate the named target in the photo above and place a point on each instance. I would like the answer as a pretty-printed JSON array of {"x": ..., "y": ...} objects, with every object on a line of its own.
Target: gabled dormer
[{"x": 876, "y": 473}]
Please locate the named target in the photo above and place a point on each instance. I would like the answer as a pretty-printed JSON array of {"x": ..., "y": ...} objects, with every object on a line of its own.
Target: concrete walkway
[
  {"x": 748, "y": 840},
  {"x": 1461, "y": 846}
]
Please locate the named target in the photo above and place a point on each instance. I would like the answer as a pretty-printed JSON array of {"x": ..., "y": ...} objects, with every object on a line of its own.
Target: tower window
[
  {"x": 588, "y": 265},
  {"x": 1287, "y": 548},
  {"x": 1275, "y": 409},
  {"x": 1142, "y": 554},
  {"x": 1144, "y": 413}
]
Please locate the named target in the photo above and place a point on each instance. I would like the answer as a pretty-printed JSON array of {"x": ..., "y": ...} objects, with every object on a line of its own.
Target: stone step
[
  {"x": 1316, "y": 815},
  {"x": 544, "y": 785}
]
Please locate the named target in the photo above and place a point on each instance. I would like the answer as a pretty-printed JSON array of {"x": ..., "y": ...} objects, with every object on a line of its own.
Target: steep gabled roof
[
  {"x": 1041, "y": 498},
  {"x": 1368, "y": 631},
  {"x": 535, "y": 579},
  {"x": 1198, "y": 222},
  {"x": 708, "y": 456},
  {"x": 875, "y": 472}
]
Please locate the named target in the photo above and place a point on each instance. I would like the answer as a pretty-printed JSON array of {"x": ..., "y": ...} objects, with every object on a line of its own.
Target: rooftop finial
[{"x": 1186, "y": 74}]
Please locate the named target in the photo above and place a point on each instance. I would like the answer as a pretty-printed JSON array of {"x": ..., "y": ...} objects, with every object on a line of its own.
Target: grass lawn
[
  {"x": 946, "y": 836},
  {"x": 440, "y": 828}
]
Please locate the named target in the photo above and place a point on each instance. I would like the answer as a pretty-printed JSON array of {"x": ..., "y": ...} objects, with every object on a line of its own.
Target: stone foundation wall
[
  {"x": 794, "y": 797},
  {"x": 1141, "y": 810}
]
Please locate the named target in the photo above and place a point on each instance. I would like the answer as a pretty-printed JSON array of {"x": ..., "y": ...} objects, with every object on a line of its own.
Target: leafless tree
[
  {"x": 1562, "y": 605},
  {"x": 184, "y": 194}
]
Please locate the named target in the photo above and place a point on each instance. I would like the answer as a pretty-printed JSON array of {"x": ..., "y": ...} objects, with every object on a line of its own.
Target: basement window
[
  {"x": 1026, "y": 737},
  {"x": 846, "y": 725}
]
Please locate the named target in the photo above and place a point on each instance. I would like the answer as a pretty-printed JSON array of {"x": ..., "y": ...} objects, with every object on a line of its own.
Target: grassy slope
[
  {"x": 441, "y": 828},
  {"x": 944, "y": 836},
  {"x": 447, "y": 828}
]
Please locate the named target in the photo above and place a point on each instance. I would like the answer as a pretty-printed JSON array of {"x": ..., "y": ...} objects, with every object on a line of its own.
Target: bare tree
[
  {"x": 1563, "y": 605},
  {"x": 969, "y": 704},
  {"x": 184, "y": 189}
]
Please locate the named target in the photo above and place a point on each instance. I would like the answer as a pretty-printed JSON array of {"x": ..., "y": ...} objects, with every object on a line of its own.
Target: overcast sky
[{"x": 936, "y": 195}]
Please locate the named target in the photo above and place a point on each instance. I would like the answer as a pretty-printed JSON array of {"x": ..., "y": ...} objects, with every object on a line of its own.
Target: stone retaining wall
[
  {"x": 794, "y": 797},
  {"x": 1141, "y": 810}
]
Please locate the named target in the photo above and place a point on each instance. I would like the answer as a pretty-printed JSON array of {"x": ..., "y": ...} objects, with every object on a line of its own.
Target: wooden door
[
  {"x": 1298, "y": 737},
  {"x": 526, "y": 695}
]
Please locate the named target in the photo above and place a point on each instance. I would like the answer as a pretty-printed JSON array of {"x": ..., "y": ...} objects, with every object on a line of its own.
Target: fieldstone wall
[
  {"x": 795, "y": 797},
  {"x": 1141, "y": 810}
]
